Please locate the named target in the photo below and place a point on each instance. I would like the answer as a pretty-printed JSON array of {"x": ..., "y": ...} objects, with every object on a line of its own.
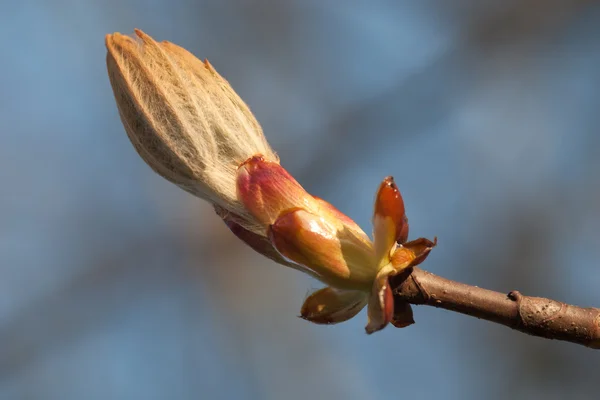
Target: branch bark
[{"x": 535, "y": 316}]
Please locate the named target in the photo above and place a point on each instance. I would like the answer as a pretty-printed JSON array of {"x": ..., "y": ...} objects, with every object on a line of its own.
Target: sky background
[{"x": 115, "y": 284}]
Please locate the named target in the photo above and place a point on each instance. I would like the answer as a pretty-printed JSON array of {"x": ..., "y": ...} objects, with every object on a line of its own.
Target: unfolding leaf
[
  {"x": 346, "y": 221},
  {"x": 331, "y": 306},
  {"x": 338, "y": 257}
]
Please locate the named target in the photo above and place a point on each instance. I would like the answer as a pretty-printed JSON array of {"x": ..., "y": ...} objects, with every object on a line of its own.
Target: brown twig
[{"x": 535, "y": 316}]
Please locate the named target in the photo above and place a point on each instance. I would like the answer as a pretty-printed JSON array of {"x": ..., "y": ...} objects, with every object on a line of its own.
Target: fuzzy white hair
[{"x": 183, "y": 118}]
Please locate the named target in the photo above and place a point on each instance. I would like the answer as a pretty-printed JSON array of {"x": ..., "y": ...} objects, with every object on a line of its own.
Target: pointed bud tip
[{"x": 209, "y": 66}]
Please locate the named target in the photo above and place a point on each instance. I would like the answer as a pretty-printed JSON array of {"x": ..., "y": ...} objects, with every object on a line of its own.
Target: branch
[{"x": 535, "y": 316}]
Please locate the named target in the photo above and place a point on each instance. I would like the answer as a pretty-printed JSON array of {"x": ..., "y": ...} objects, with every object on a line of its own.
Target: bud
[
  {"x": 183, "y": 118},
  {"x": 189, "y": 126}
]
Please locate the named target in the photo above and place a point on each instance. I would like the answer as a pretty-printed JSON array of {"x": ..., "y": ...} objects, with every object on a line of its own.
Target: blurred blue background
[{"x": 115, "y": 284}]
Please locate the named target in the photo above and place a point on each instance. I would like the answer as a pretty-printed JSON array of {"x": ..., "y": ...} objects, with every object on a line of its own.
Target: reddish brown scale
[
  {"x": 266, "y": 189},
  {"x": 258, "y": 243},
  {"x": 280, "y": 235},
  {"x": 390, "y": 204},
  {"x": 388, "y": 302},
  {"x": 403, "y": 314},
  {"x": 416, "y": 251}
]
